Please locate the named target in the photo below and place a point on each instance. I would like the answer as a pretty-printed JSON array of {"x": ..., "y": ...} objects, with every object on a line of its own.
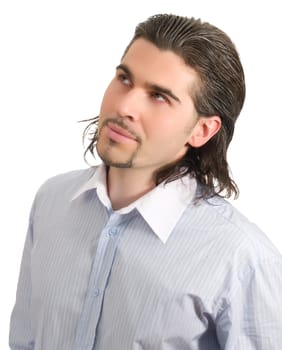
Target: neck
[{"x": 127, "y": 185}]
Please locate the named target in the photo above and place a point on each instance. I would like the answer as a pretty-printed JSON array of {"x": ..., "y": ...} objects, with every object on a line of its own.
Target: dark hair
[{"x": 220, "y": 91}]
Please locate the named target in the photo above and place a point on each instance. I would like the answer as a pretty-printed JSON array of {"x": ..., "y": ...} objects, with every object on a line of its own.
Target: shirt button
[
  {"x": 96, "y": 292},
  {"x": 113, "y": 231}
]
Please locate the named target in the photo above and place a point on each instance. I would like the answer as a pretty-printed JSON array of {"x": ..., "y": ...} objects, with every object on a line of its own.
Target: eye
[
  {"x": 123, "y": 79},
  {"x": 159, "y": 97}
]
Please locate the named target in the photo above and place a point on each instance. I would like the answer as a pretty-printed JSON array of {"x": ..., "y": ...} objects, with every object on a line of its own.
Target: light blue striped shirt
[{"x": 164, "y": 273}]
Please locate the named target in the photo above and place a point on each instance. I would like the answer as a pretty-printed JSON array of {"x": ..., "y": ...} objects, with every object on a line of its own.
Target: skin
[{"x": 148, "y": 120}]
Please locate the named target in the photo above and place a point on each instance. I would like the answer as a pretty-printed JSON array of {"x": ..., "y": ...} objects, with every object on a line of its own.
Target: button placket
[
  {"x": 101, "y": 269},
  {"x": 96, "y": 292},
  {"x": 113, "y": 231}
]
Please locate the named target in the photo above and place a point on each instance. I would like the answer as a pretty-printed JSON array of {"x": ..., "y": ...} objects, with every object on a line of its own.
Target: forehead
[{"x": 146, "y": 60}]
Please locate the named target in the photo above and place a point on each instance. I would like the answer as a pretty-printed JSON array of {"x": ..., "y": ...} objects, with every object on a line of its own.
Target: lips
[{"x": 121, "y": 131}]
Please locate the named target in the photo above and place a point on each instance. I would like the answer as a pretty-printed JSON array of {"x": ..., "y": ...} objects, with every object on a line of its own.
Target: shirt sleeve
[
  {"x": 253, "y": 318},
  {"x": 20, "y": 324}
]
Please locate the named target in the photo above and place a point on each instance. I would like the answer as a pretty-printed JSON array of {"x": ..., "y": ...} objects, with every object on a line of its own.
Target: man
[{"x": 143, "y": 252}]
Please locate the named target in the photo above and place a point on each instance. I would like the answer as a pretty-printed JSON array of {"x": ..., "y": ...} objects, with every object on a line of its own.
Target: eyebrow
[{"x": 154, "y": 87}]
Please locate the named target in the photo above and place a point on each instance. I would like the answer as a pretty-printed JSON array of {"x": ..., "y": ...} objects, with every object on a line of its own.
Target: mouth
[{"x": 119, "y": 134}]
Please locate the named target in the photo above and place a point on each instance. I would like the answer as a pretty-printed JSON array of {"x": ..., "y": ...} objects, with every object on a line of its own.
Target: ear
[{"x": 204, "y": 130}]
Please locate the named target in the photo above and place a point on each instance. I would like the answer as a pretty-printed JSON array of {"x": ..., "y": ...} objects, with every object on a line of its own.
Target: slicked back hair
[{"x": 220, "y": 91}]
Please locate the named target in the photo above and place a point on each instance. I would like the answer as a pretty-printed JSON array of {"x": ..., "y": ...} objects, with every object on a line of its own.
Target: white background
[{"x": 57, "y": 57}]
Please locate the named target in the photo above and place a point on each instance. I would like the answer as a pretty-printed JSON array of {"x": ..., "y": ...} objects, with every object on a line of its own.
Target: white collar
[{"x": 161, "y": 208}]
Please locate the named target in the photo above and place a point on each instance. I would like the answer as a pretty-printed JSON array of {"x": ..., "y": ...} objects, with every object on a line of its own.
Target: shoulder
[
  {"x": 234, "y": 231},
  {"x": 240, "y": 254},
  {"x": 64, "y": 185}
]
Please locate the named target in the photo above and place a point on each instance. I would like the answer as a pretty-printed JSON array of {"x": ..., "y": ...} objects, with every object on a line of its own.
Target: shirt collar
[
  {"x": 161, "y": 208},
  {"x": 98, "y": 181}
]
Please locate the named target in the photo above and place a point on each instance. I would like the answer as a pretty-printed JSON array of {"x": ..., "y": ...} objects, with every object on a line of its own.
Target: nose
[{"x": 129, "y": 105}]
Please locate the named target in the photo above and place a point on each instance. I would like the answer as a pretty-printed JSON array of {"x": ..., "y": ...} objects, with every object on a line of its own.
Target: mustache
[{"x": 120, "y": 122}]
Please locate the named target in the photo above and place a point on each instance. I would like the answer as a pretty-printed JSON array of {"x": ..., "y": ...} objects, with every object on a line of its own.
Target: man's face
[{"x": 147, "y": 116}]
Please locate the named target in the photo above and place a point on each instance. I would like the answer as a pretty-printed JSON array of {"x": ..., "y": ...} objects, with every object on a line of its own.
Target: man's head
[{"x": 204, "y": 56}]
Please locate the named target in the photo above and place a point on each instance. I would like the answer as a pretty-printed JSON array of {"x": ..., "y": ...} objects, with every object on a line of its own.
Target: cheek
[
  {"x": 105, "y": 102},
  {"x": 160, "y": 125},
  {"x": 169, "y": 134},
  {"x": 108, "y": 99}
]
